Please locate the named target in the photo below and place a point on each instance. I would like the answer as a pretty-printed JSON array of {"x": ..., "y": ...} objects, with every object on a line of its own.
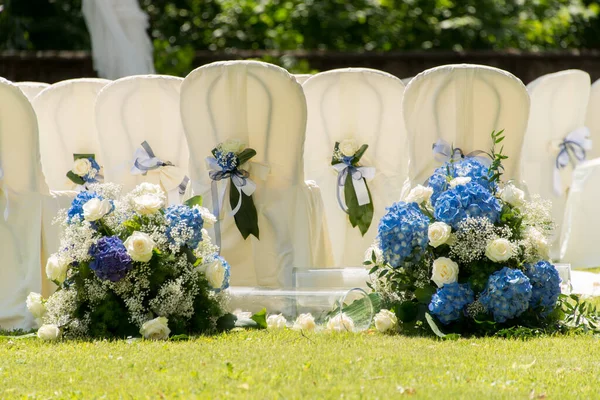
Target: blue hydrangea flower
[
  {"x": 545, "y": 281},
  {"x": 92, "y": 177},
  {"x": 448, "y": 302},
  {"x": 76, "y": 208},
  {"x": 182, "y": 219},
  {"x": 402, "y": 233},
  {"x": 467, "y": 167},
  {"x": 226, "y": 160},
  {"x": 227, "y": 267},
  {"x": 507, "y": 294},
  {"x": 110, "y": 259},
  {"x": 464, "y": 201}
]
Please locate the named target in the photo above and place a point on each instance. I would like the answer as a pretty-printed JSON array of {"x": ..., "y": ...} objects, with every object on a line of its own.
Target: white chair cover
[
  {"x": 120, "y": 43},
  {"x": 132, "y": 110},
  {"x": 406, "y": 81},
  {"x": 301, "y": 78},
  {"x": 592, "y": 120},
  {"x": 364, "y": 105},
  {"x": 67, "y": 125},
  {"x": 462, "y": 104},
  {"x": 21, "y": 191},
  {"x": 31, "y": 89},
  {"x": 579, "y": 240},
  {"x": 264, "y": 106},
  {"x": 558, "y": 107}
]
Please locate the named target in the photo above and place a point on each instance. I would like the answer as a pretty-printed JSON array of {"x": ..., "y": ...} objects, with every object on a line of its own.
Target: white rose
[
  {"x": 215, "y": 273},
  {"x": 385, "y": 320},
  {"x": 499, "y": 250},
  {"x": 340, "y": 323},
  {"x": 95, "y": 209},
  {"x": 48, "y": 332},
  {"x": 139, "y": 246},
  {"x": 233, "y": 146},
  {"x": 305, "y": 322},
  {"x": 208, "y": 217},
  {"x": 439, "y": 233},
  {"x": 242, "y": 314},
  {"x": 513, "y": 195},
  {"x": 348, "y": 147},
  {"x": 276, "y": 321},
  {"x": 35, "y": 305},
  {"x": 56, "y": 268},
  {"x": 81, "y": 167},
  {"x": 148, "y": 203},
  {"x": 461, "y": 180},
  {"x": 538, "y": 241},
  {"x": 149, "y": 188},
  {"x": 444, "y": 271},
  {"x": 419, "y": 194},
  {"x": 156, "y": 329}
]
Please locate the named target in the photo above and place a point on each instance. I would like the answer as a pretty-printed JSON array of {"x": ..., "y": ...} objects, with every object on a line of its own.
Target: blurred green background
[{"x": 180, "y": 27}]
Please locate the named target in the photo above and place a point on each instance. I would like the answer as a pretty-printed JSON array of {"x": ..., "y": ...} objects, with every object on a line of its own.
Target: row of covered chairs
[{"x": 293, "y": 128}]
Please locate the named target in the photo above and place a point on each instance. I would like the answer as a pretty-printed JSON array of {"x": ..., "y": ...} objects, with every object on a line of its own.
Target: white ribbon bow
[
  {"x": 360, "y": 187},
  {"x": 172, "y": 179},
  {"x": 571, "y": 150}
]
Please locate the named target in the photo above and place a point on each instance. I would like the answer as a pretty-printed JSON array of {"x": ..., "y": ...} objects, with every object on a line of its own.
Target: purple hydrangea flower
[{"x": 110, "y": 259}]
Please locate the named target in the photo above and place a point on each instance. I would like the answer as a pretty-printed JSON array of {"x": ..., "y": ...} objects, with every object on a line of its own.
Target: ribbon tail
[
  {"x": 340, "y": 198},
  {"x": 557, "y": 182},
  {"x": 216, "y": 211},
  {"x": 239, "y": 203},
  {"x": 362, "y": 194}
]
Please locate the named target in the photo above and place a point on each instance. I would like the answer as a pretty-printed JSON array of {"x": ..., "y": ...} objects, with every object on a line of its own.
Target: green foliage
[{"x": 179, "y": 27}]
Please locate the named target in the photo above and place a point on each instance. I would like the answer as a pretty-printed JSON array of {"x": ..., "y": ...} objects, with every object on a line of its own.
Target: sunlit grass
[{"x": 261, "y": 364}]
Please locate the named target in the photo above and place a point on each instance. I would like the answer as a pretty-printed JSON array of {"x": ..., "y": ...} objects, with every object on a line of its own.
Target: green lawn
[{"x": 261, "y": 364}]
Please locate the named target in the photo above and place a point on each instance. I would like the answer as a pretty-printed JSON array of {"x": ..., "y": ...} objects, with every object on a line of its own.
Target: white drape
[{"x": 120, "y": 44}]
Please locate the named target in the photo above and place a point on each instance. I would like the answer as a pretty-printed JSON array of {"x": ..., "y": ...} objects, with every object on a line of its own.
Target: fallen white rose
[
  {"x": 35, "y": 305},
  {"x": 340, "y": 323},
  {"x": 48, "y": 332},
  {"x": 156, "y": 329},
  {"x": 276, "y": 321},
  {"x": 385, "y": 321},
  {"x": 305, "y": 322}
]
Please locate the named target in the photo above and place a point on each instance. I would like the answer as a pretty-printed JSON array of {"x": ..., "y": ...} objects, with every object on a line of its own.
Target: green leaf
[
  {"x": 407, "y": 311},
  {"x": 260, "y": 318},
  {"x": 434, "y": 326},
  {"x": 79, "y": 156},
  {"x": 194, "y": 201},
  {"x": 360, "y": 216},
  {"x": 358, "y": 155},
  {"x": 75, "y": 178},
  {"x": 179, "y": 338},
  {"x": 246, "y": 219},
  {"x": 335, "y": 148},
  {"x": 246, "y": 155},
  {"x": 226, "y": 322},
  {"x": 424, "y": 294}
]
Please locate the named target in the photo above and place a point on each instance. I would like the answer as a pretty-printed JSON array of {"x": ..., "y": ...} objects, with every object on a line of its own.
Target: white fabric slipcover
[
  {"x": 135, "y": 109},
  {"x": 364, "y": 105},
  {"x": 462, "y": 104},
  {"x": 22, "y": 188},
  {"x": 264, "y": 106},
  {"x": 558, "y": 107},
  {"x": 67, "y": 125},
  {"x": 592, "y": 120},
  {"x": 579, "y": 238},
  {"x": 31, "y": 89},
  {"x": 301, "y": 78}
]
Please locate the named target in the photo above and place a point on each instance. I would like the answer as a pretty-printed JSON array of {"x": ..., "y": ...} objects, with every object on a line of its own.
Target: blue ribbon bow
[{"x": 572, "y": 150}]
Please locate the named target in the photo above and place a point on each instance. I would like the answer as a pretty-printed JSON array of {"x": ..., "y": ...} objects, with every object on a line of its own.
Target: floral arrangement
[
  {"x": 466, "y": 253},
  {"x": 130, "y": 265},
  {"x": 226, "y": 163},
  {"x": 353, "y": 194},
  {"x": 85, "y": 170}
]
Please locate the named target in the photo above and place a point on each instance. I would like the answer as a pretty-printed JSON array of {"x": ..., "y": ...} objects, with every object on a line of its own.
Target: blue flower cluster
[
  {"x": 545, "y": 281},
  {"x": 76, "y": 208},
  {"x": 402, "y": 233},
  {"x": 507, "y": 294},
  {"x": 227, "y": 267},
  {"x": 181, "y": 216},
  {"x": 92, "y": 178},
  {"x": 111, "y": 261},
  {"x": 464, "y": 201},
  {"x": 468, "y": 167},
  {"x": 226, "y": 160},
  {"x": 448, "y": 303}
]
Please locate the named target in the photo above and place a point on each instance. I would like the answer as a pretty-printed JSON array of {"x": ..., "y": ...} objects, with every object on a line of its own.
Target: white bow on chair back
[
  {"x": 592, "y": 120},
  {"x": 364, "y": 106},
  {"x": 67, "y": 125},
  {"x": 138, "y": 109},
  {"x": 264, "y": 107},
  {"x": 556, "y": 138},
  {"x": 462, "y": 104},
  {"x": 21, "y": 189}
]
